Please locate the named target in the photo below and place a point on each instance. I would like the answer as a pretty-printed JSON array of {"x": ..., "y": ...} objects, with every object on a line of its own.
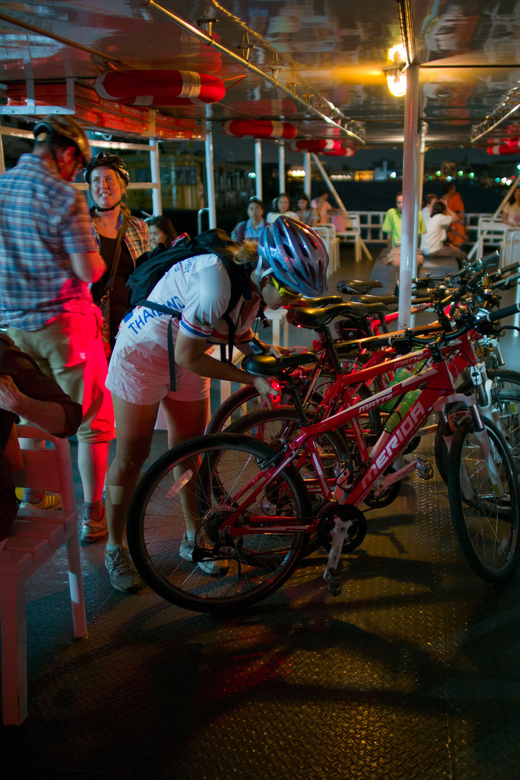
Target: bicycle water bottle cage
[{"x": 268, "y": 365}]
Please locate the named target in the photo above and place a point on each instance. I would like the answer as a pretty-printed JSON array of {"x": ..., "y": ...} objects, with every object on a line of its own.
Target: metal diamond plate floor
[{"x": 413, "y": 672}]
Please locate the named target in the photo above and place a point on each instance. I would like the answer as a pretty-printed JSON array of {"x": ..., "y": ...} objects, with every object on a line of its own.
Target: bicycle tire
[
  {"x": 252, "y": 567},
  {"x": 505, "y": 391},
  {"x": 486, "y": 524},
  {"x": 245, "y": 400}
]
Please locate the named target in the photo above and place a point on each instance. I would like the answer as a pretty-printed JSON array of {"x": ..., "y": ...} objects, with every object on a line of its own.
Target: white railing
[{"x": 371, "y": 221}]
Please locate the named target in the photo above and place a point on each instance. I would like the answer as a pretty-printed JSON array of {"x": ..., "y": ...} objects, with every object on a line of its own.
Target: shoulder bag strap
[{"x": 117, "y": 254}]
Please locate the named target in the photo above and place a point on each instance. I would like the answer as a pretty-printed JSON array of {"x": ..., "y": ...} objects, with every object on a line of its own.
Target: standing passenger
[
  {"x": 48, "y": 258},
  {"x": 290, "y": 261},
  {"x": 122, "y": 238}
]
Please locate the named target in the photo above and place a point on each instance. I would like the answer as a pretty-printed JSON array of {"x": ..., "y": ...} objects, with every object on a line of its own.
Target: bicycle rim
[
  {"x": 201, "y": 480},
  {"x": 486, "y": 523}
]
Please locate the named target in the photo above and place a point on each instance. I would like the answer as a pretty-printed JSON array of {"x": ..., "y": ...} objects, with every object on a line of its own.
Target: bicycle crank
[{"x": 348, "y": 530}]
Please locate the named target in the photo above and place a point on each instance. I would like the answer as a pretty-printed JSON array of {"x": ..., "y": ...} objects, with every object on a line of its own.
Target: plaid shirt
[
  {"x": 137, "y": 238},
  {"x": 42, "y": 220}
]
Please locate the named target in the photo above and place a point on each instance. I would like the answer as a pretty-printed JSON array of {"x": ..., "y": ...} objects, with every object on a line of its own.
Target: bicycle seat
[
  {"x": 317, "y": 318},
  {"x": 387, "y": 299},
  {"x": 268, "y": 365},
  {"x": 354, "y": 286},
  {"x": 319, "y": 303}
]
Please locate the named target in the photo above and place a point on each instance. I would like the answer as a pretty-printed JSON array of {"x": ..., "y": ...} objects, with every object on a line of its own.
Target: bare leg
[
  {"x": 135, "y": 424},
  {"x": 185, "y": 420},
  {"x": 92, "y": 464}
]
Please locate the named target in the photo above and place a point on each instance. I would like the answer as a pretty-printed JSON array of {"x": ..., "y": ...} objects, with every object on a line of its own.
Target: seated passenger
[
  {"x": 433, "y": 242},
  {"x": 323, "y": 208},
  {"x": 161, "y": 231},
  {"x": 283, "y": 207},
  {"x": 306, "y": 213},
  {"x": 251, "y": 228},
  {"x": 25, "y": 391}
]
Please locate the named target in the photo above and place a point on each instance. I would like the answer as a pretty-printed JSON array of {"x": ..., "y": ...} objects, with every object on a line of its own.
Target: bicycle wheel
[
  {"x": 505, "y": 395},
  {"x": 245, "y": 400},
  {"x": 485, "y": 523},
  {"x": 205, "y": 481}
]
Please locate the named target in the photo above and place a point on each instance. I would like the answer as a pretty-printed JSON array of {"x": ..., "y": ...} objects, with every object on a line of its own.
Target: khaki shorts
[{"x": 69, "y": 350}]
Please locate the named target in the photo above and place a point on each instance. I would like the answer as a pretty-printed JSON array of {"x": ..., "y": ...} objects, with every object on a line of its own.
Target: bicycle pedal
[
  {"x": 424, "y": 469},
  {"x": 334, "y": 581}
]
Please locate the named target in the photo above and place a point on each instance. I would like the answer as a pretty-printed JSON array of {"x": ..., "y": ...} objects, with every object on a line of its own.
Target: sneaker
[
  {"x": 122, "y": 572},
  {"x": 213, "y": 568},
  {"x": 93, "y": 530},
  {"x": 47, "y": 501}
]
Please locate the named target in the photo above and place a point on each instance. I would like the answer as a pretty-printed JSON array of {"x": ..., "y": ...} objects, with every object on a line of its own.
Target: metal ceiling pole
[
  {"x": 156, "y": 178},
  {"x": 258, "y": 170},
  {"x": 210, "y": 174},
  {"x": 281, "y": 167},
  {"x": 307, "y": 164},
  {"x": 2, "y": 158},
  {"x": 421, "y": 140},
  {"x": 410, "y": 173}
]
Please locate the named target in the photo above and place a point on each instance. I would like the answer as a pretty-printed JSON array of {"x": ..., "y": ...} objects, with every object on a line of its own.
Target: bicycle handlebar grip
[
  {"x": 501, "y": 314},
  {"x": 508, "y": 269},
  {"x": 489, "y": 259}
]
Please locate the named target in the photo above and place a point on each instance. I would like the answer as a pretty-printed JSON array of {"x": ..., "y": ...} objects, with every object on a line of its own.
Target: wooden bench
[{"x": 37, "y": 534}]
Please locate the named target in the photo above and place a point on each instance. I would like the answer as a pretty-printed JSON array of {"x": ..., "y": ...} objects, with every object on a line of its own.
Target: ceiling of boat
[{"x": 330, "y": 54}]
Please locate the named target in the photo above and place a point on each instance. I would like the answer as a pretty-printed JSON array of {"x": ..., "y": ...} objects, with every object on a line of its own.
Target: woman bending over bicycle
[{"x": 289, "y": 261}]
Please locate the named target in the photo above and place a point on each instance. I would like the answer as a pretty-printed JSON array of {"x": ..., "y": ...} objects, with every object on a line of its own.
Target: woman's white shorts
[{"x": 141, "y": 375}]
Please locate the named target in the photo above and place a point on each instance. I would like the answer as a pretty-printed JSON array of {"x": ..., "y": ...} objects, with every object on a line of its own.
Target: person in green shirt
[{"x": 392, "y": 226}]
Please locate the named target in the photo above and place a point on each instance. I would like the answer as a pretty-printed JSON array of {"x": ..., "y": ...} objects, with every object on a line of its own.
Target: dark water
[{"x": 380, "y": 195}]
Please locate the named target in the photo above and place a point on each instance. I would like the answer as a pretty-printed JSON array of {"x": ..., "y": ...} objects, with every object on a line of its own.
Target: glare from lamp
[
  {"x": 397, "y": 54},
  {"x": 396, "y": 83}
]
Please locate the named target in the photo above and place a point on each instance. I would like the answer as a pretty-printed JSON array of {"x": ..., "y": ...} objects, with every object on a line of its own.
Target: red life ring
[
  {"x": 315, "y": 145},
  {"x": 514, "y": 143},
  {"x": 259, "y": 128},
  {"x": 343, "y": 152},
  {"x": 159, "y": 87},
  {"x": 502, "y": 149}
]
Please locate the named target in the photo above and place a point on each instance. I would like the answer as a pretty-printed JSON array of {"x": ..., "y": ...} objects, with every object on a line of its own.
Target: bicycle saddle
[
  {"x": 319, "y": 303},
  {"x": 317, "y": 318},
  {"x": 355, "y": 286},
  {"x": 268, "y": 365}
]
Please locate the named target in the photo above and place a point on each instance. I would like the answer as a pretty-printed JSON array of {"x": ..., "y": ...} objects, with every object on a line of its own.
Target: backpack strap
[{"x": 171, "y": 349}]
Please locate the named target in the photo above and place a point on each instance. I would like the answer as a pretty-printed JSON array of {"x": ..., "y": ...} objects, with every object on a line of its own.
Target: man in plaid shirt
[{"x": 48, "y": 258}]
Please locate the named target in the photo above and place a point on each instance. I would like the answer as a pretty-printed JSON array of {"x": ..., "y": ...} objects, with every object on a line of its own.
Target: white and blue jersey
[{"x": 199, "y": 288}]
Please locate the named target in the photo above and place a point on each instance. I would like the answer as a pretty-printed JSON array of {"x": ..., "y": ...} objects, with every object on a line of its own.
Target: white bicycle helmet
[{"x": 295, "y": 255}]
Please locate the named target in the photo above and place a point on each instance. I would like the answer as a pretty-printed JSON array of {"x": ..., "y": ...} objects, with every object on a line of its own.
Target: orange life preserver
[
  {"x": 315, "y": 145},
  {"x": 159, "y": 87},
  {"x": 259, "y": 128},
  {"x": 502, "y": 149},
  {"x": 342, "y": 152}
]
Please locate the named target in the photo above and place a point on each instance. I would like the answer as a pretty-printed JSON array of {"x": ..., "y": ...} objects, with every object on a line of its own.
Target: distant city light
[
  {"x": 393, "y": 175},
  {"x": 252, "y": 175},
  {"x": 471, "y": 175},
  {"x": 340, "y": 177},
  {"x": 518, "y": 167},
  {"x": 297, "y": 173},
  {"x": 437, "y": 173},
  {"x": 460, "y": 173},
  {"x": 449, "y": 178},
  {"x": 497, "y": 179}
]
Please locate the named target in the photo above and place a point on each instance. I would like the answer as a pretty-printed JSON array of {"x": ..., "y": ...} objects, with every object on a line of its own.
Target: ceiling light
[{"x": 396, "y": 81}]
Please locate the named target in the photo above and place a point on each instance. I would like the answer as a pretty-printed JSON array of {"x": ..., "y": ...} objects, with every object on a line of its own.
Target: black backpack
[{"x": 152, "y": 266}]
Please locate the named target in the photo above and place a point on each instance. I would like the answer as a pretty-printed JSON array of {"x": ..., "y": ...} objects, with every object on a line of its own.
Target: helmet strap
[{"x": 111, "y": 208}]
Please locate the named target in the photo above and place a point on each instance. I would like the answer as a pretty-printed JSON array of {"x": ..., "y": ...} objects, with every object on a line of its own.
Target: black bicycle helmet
[
  {"x": 59, "y": 127},
  {"x": 108, "y": 161},
  {"x": 295, "y": 255}
]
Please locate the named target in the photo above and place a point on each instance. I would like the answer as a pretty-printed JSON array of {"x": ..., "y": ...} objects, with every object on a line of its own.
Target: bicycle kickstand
[{"x": 334, "y": 567}]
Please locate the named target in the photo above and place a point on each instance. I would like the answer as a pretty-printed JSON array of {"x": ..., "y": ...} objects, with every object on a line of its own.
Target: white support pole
[
  {"x": 307, "y": 165},
  {"x": 210, "y": 174},
  {"x": 410, "y": 172},
  {"x": 156, "y": 178},
  {"x": 338, "y": 199},
  {"x": 421, "y": 140},
  {"x": 258, "y": 169},
  {"x": 2, "y": 158},
  {"x": 281, "y": 166}
]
